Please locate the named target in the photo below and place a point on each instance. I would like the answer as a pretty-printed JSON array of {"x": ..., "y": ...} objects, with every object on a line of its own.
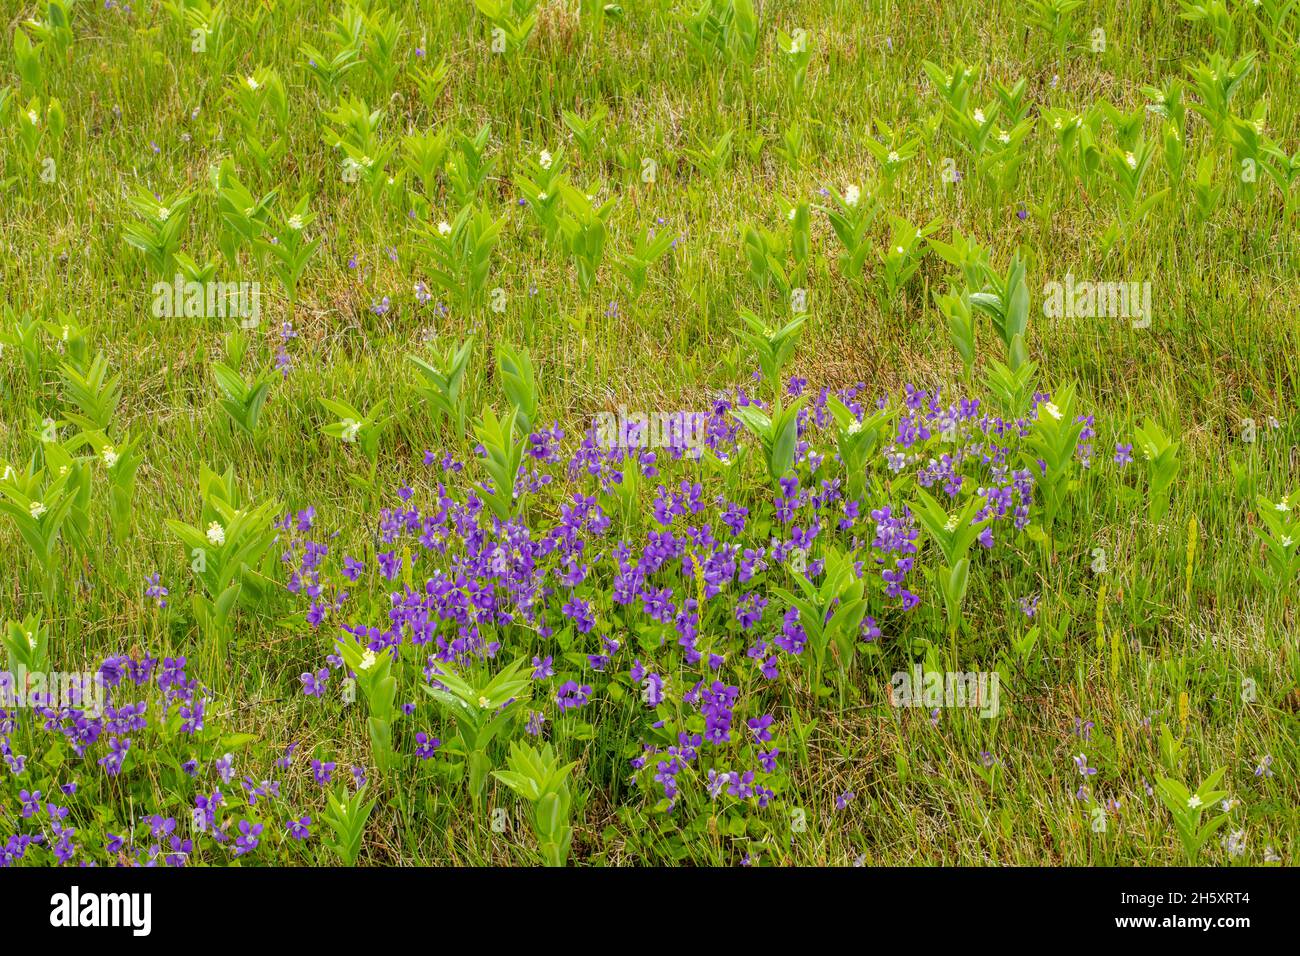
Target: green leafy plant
[
  {"x": 1279, "y": 534},
  {"x": 39, "y": 506},
  {"x": 363, "y": 429},
  {"x": 777, "y": 433},
  {"x": 516, "y": 19},
  {"x": 504, "y": 448},
  {"x": 287, "y": 248},
  {"x": 158, "y": 233},
  {"x": 1188, "y": 808},
  {"x": 954, "y": 534},
  {"x": 228, "y": 552},
  {"x": 857, "y": 440},
  {"x": 583, "y": 225},
  {"x": 537, "y": 775},
  {"x": 27, "y": 645},
  {"x": 1053, "y": 440},
  {"x": 482, "y": 711},
  {"x": 587, "y": 131},
  {"x": 241, "y": 399},
  {"x": 442, "y": 383},
  {"x": 1006, "y": 301},
  {"x": 519, "y": 382},
  {"x": 830, "y": 611},
  {"x": 851, "y": 219},
  {"x": 346, "y": 815},
  {"x": 461, "y": 253},
  {"x": 651, "y": 246},
  {"x": 374, "y": 675},
  {"x": 1160, "y": 453}
]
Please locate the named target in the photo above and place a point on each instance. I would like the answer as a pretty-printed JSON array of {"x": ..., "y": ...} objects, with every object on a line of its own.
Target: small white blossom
[
  {"x": 36, "y": 509},
  {"x": 216, "y": 534}
]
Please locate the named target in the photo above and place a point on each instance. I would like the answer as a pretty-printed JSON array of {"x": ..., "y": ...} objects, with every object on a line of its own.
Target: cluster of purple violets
[
  {"x": 691, "y": 570},
  {"x": 132, "y": 690}
]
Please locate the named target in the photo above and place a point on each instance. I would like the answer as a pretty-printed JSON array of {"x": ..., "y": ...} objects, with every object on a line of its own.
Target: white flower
[
  {"x": 110, "y": 456},
  {"x": 1004, "y": 137},
  {"x": 893, "y": 157},
  {"x": 1057, "y": 123},
  {"x": 851, "y": 196},
  {"x": 1051, "y": 409},
  {"x": 899, "y": 250},
  {"x": 36, "y": 509},
  {"x": 855, "y": 427},
  {"x": 1193, "y": 802},
  {"x": 1131, "y": 160},
  {"x": 252, "y": 83},
  {"x": 31, "y": 640},
  {"x": 216, "y": 534},
  {"x": 367, "y": 660},
  {"x": 1286, "y": 542},
  {"x": 164, "y": 213},
  {"x": 1282, "y": 505},
  {"x": 544, "y": 160},
  {"x": 790, "y": 215},
  {"x": 979, "y": 116},
  {"x": 950, "y": 524},
  {"x": 350, "y": 429},
  {"x": 295, "y": 221},
  {"x": 444, "y": 228},
  {"x": 33, "y": 117},
  {"x": 541, "y": 197},
  {"x": 484, "y": 703}
]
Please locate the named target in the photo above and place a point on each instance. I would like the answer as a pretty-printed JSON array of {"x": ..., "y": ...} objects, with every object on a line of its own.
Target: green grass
[{"x": 1223, "y": 346}]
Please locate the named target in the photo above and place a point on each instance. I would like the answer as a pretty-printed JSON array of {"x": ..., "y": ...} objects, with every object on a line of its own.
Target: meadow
[{"x": 675, "y": 432}]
